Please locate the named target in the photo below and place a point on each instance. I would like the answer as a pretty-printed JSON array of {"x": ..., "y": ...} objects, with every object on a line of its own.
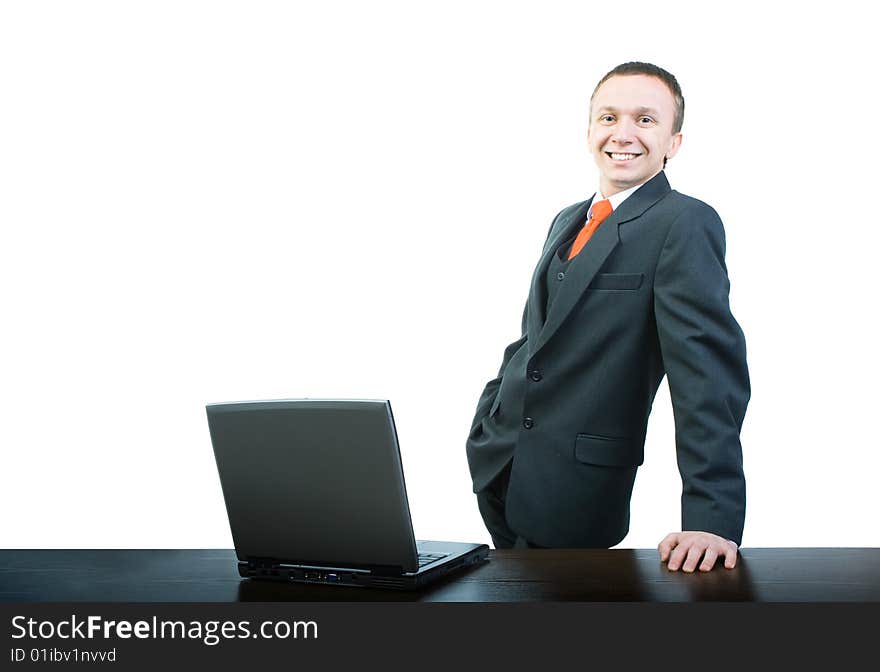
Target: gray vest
[{"x": 556, "y": 274}]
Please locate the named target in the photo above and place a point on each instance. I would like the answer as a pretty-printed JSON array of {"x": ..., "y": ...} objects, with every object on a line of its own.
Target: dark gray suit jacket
[{"x": 569, "y": 408}]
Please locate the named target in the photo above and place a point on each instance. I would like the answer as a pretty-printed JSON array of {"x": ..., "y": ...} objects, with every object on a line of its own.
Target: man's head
[{"x": 636, "y": 113}]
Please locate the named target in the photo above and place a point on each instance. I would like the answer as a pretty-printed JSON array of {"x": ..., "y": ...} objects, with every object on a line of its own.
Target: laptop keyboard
[{"x": 428, "y": 558}]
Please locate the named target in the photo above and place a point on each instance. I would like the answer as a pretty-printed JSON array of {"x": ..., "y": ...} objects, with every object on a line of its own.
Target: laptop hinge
[
  {"x": 386, "y": 570},
  {"x": 261, "y": 563},
  {"x": 377, "y": 570}
]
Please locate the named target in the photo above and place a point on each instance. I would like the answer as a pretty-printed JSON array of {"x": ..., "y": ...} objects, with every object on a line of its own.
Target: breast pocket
[{"x": 617, "y": 281}]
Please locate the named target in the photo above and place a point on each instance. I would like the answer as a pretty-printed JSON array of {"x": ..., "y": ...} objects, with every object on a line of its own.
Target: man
[{"x": 631, "y": 285}]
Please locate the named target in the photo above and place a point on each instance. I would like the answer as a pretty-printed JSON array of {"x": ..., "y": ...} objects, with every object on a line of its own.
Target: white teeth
[{"x": 622, "y": 157}]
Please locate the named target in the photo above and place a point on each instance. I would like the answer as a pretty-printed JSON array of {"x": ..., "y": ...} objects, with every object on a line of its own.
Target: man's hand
[{"x": 689, "y": 547}]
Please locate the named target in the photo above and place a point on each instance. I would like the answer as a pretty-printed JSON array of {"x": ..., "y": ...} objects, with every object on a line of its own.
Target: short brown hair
[{"x": 639, "y": 68}]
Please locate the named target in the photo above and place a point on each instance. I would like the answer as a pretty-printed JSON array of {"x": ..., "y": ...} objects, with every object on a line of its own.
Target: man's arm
[
  {"x": 487, "y": 398},
  {"x": 704, "y": 355}
]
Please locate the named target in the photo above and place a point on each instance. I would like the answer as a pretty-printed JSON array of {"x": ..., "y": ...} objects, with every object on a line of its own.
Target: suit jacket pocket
[
  {"x": 607, "y": 451},
  {"x": 620, "y": 281}
]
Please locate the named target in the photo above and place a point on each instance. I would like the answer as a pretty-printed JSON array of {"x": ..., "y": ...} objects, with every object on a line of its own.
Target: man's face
[{"x": 630, "y": 130}]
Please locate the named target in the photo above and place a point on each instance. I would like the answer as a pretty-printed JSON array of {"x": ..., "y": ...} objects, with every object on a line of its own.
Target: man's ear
[{"x": 674, "y": 146}]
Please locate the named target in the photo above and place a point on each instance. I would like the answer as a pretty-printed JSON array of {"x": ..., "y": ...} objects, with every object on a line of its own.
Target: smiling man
[{"x": 631, "y": 286}]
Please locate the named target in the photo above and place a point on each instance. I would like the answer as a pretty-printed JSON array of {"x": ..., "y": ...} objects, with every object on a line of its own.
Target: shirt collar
[{"x": 617, "y": 198}]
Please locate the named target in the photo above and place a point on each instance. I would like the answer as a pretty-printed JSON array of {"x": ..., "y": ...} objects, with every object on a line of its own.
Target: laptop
[{"x": 314, "y": 492}]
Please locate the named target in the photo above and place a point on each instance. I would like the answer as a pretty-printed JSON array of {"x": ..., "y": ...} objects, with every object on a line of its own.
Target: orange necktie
[{"x": 601, "y": 210}]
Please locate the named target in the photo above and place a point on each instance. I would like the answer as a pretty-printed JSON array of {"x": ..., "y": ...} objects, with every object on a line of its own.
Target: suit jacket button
[
  {"x": 560, "y": 275},
  {"x": 536, "y": 375},
  {"x": 528, "y": 423}
]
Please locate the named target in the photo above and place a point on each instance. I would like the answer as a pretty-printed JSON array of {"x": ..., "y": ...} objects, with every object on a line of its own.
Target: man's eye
[
  {"x": 606, "y": 117},
  {"x": 646, "y": 120}
]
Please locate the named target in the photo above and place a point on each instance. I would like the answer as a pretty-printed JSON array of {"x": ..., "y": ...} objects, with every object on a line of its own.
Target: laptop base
[{"x": 364, "y": 577}]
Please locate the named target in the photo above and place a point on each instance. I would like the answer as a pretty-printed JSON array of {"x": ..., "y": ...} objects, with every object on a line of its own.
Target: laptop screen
[{"x": 314, "y": 482}]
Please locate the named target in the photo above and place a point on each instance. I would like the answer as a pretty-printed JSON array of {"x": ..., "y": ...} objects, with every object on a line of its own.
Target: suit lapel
[
  {"x": 587, "y": 263},
  {"x": 564, "y": 228}
]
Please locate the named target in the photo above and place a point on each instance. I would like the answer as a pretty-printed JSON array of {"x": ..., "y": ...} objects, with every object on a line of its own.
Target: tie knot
[{"x": 601, "y": 209}]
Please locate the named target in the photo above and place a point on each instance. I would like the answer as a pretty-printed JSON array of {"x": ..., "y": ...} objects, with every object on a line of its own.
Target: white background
[{"x": 213, "y": 201}]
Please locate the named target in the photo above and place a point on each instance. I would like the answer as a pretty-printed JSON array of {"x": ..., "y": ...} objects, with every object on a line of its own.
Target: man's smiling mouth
[{"x": 619, "y": 156}]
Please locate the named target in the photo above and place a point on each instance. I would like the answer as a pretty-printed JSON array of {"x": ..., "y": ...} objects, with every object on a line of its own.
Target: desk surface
[{"x": 594, "y": 575}]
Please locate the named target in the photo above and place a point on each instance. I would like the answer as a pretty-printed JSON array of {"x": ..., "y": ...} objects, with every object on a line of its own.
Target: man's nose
[{"x": 624, "y": 131}]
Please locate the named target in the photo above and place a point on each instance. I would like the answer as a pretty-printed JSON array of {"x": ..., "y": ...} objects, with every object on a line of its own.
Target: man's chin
[
  {"x": 624, "y": 179},
  {"x": 621, "y": 182}
]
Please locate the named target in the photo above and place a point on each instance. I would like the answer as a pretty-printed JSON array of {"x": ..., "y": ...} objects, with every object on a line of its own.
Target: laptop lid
[{"x": 314, "y": 482}]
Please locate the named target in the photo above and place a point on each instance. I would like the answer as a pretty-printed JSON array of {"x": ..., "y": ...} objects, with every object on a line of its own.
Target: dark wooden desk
[{"x": 761, "y": 575}]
